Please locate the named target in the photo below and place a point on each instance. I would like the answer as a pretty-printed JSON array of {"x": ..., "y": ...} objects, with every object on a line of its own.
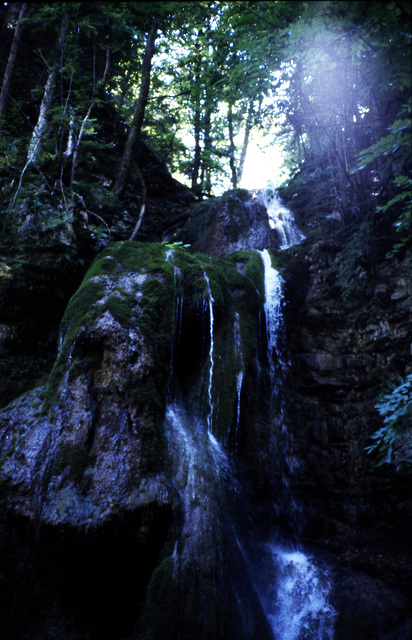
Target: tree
[
  {"x": 136, "y": 125},
  {"x": 11, "y": 62},
  {"x": 343, "y": 93}
]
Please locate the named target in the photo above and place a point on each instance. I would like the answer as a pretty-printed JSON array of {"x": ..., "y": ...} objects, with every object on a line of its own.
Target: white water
[
  {"x": 178, "y": 315},
  {"x": 293, "y": 589},
  {"x": 272, "y": 304},
  {"x": 281, "y": 219},
  {"x": 211, "y": 324},
  {"x": 296, "y": 594},
  {"x": 240, "y": 373}
]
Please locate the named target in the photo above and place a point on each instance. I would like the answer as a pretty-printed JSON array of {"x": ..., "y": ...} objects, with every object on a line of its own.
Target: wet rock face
[
  {"x": 89, "y": 463},
  {"x": 343, "y": 352},
  {"x": 237, "y": 220},
  {"x": 112, "y": 485}
]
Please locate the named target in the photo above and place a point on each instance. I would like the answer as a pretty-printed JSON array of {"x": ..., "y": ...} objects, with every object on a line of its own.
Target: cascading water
[
  {"x": 239, "y": 375},
  {"x": 281, "y": 219},
  {"x": 178, "y": 315},
  {"x": 294, "y": 592},
  {"x": 272, "y": 306},
  {"x": 300, "y": 607},
  {"x": 209, "y": 302}
]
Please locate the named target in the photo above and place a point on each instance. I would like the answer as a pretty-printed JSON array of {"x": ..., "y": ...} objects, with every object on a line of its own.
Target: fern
[{"x": 395, "y": 407}]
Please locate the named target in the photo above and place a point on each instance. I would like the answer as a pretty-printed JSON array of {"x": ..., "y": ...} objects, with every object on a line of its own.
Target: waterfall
[
  {"x": 178, "y": 316},
  {"x": 302, "y": 608},
  {"x": 272, "y": 306},
  {"x": 294, "y": 592},
  {"x": 293, "y": 589},
  {"x": 281, "y": 220},
  {"x": 239, "y": 375}
]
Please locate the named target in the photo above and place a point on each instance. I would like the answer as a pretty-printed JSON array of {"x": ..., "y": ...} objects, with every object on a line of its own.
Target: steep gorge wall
[{"x": 344, "y": 347}]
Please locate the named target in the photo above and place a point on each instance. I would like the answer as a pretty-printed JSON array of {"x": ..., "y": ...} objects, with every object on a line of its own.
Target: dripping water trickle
[
  {"x": 178, "y": 316},
  {"x": 239, "y": 374},
  {"x": 209, "y": 303}
]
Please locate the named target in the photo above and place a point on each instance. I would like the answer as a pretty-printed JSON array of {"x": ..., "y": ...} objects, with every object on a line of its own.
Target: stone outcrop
[
  {"x": 115, "y": 447},
  {"x": 237, "y": 220},
  {"x": 126, "y": 476},
  {"x": 345, "y": 345}
]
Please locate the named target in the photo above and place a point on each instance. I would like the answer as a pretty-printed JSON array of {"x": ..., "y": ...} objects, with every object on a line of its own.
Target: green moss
[
  {"x": 121, "y": 307},
  {"x": 81, "y": 308},
  {"x": 156, "y": 317},
  {"x": 140, "y": 257},
  {"x": 106, "y": 264},
  {"x": 250, "y": 263},
  {"x": 156, "y": 310}
]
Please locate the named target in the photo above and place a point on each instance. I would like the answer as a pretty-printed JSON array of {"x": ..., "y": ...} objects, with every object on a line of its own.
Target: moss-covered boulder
[
  {"x": 235, "y": 221},
  {"x": 158, "y": 348}
]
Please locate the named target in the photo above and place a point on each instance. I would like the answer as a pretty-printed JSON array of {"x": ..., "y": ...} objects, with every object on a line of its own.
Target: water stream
[
  {"x": 281, "y": 219},
  {"x": 209, "y": 302},
  {"x": 294, "y": 591},
  {"x": 291, "y": 585}
]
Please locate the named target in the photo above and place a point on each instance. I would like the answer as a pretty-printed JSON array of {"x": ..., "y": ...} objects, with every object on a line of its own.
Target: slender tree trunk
[
  {"x": 71, "y": 136},
  {"x": 232, "y": 161},
  {"x": 11, "y": 62},
  {"x": 198, "y": 151},
  {"x": 100, "y": 88},
  {"x": 142, "y": 208},
  {"x": 248, "y": 127},
  {"x": 43, "y": 119},
  {"x": 206, "y": 182},
  {"x": 136, "y": 126},
  {"x": 197, "y": 123}
]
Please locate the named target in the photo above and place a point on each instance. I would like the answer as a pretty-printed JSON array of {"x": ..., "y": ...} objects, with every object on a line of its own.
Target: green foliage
[
  {"x": 403, "y": 224},
  {"x": 395, "y": 407},
  {"x": 394, "y": 152},
  {"x": 394, "y": 147},
  {"x": 311, "y": 189},
  {"x": 355, "y": 249}
]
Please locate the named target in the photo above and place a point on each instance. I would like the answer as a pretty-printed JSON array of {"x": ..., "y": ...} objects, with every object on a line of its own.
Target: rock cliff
[{"x": 140, "y": 478}]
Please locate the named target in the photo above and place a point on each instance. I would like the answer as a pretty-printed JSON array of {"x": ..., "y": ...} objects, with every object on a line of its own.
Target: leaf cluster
[{"x": 395, "y": 407}]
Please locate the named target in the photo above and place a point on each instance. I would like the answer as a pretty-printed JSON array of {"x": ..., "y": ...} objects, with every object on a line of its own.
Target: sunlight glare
[{"x": 263, "y": 167}]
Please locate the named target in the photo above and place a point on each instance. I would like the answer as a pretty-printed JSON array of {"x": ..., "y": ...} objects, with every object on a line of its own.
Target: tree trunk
[
  {"x": 197, "y": 154},
  {"x": 13, "y": 9},
  {"x": 197, "y": 126},
  {"x": 43, "y": 119},
  {"x": 232, "y": 161},
  {"x": 248, "y": 127},
  {"x": 8, "y": 74},
  {"x": 136, "y": 126},
  {"x": 100, "y": 88},
  {"x": 206, "y": 181}
]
